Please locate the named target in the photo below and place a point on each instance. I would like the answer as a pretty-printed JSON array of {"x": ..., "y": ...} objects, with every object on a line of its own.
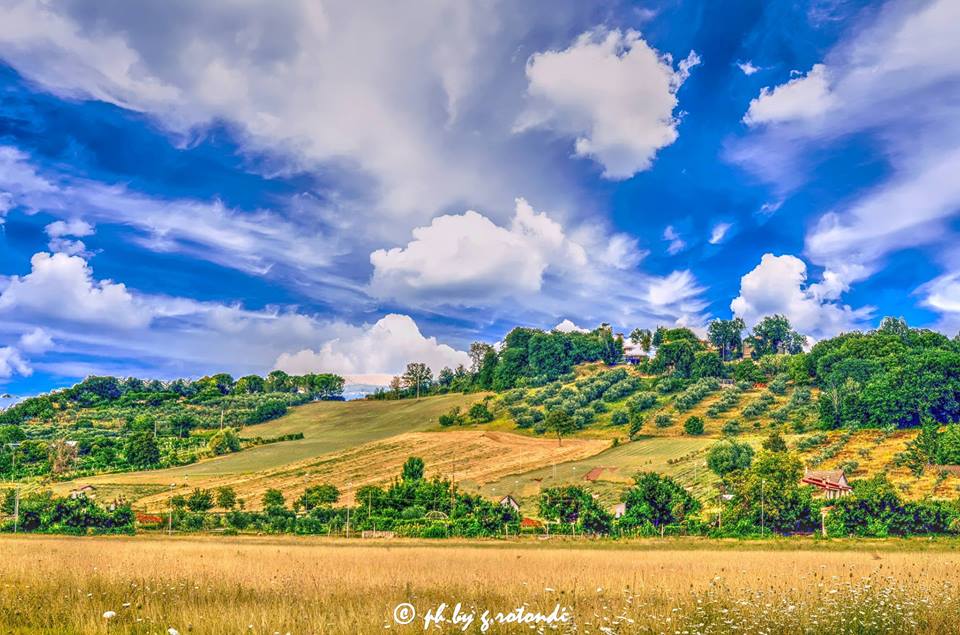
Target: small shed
[
  {"x": 509, "y": 501},
  {"x": 634, "y": 353},
  {"x": 619, "y": 510},
  {"x": 832, "y": 482}
]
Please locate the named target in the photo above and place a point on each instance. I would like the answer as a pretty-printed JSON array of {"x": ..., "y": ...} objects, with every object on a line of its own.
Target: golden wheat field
[{"x": 305, "y": 585}]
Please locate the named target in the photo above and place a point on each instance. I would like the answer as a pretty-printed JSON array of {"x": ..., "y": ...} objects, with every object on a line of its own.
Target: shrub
[
  {"x": 641, "y": 401},
  {"x": 267, "y": 410},
  {"x": 479, "y": 413},
  {"x": 693, "y": 425},
  {"x": 620, "y": 418},
  {"x": 778, "y": 386},
  {"x": 731, "y": 428},
  {"x": 200, "y": 500},
  {"x": 695, "y": 394},
  {"x": 636, "y": 424},
  {"x": 453, "y": 418},
  {"x": 663, "y": 421},
  {"x": 224, "y": 442}
]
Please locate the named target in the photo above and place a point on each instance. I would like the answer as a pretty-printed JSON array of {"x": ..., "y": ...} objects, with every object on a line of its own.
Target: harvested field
[{"x": 465, "y": 455}]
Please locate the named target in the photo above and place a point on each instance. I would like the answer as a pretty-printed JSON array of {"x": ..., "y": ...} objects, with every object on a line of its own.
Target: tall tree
[
  {"x": 560, "y": 423},
  {"x": 726, "y": 335},
  {"x": 478, "y": 350},
  {"x": 417, "y": 374},
  {"x": 773, "y": 335}
]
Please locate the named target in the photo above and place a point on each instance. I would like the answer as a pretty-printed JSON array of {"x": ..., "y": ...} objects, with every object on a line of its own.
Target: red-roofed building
[{"x": 832, "y": 482}]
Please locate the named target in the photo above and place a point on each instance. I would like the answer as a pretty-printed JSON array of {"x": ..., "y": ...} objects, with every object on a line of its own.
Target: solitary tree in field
[
  {"x": 560, "y": 423},
  {"x": 417, "y": 375}
]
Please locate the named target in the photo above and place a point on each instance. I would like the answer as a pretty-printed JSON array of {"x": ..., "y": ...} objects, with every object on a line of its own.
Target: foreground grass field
[{"x": 150, "y": 585}]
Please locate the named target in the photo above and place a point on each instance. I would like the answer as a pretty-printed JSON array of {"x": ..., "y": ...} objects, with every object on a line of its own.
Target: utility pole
[{"x": 221, "y": 418}]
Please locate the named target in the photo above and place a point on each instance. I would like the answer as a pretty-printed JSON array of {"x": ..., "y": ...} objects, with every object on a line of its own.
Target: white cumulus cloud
[
  {"x": 806, "y": 96},
  {"x": 62, "y": 287},
  {"x": 613, "y": 92},
  {"x": 779, "y": 285},
  {"x": 378, "y": 350},
  {"x": 567, "y": 326},
  {"x": 12, "y": 363},
  {"x": 36, "y": 341},
  {"x": 467, "y": 258}
]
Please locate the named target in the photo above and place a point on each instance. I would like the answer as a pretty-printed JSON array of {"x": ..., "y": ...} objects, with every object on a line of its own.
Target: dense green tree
[
  {"x": 454, "y": 417},
  {"x": 445, "y": 377},
  {"x": 278, "y": 381},
  {"x": 141, "y": 449},
  {"x": 224, "y": 442},
  {"x": 480, "y": 413},
  {"x": 773, "y": 334},
  {"x": 706, "y": 364},
  {"x": 318, "y": 495},
  {"x": 769, "y": 495},
  {"x": 574, "y": 505},
  {"x": 226, "y": 497},
  {"x": 182, "y": 423},
  {"x": 728, "y": 456},
  {"x": 273, "y": 498},
  {"x": 727, "y": 337},
  {"x": 675, "y": 357},
  {"x": 417, "y": 376},
  {"x": 693, "y": 425},
  {"x": 412, "y": 469},
  {"x": 200, "y": 500},
  {"x": 658, "y": 501},
  {"x": 250, "y": 384},
  {"x": 774, "y": 442}
]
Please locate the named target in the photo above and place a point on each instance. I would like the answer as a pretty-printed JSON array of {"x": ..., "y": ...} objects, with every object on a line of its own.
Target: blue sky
[{"x": 195, "y": 187}]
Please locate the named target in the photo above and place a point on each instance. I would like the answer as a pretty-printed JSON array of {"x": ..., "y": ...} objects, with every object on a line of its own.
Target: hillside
[{"x": 326, "y": 426}]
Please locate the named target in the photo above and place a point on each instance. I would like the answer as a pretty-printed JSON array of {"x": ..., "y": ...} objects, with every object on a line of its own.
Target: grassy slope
[{"x": 328, "y": 426}]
